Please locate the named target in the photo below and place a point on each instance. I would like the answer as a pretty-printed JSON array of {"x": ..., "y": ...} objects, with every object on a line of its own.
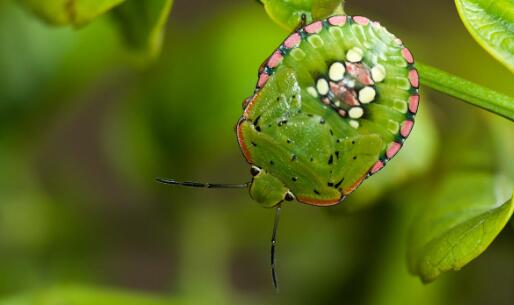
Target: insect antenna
[
  {"x": 203, "y": 185},
  {"x": 273, "y": 244}
]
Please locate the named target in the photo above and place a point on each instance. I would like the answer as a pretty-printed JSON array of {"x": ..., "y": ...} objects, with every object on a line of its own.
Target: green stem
[{"x": 467, "y": 91}]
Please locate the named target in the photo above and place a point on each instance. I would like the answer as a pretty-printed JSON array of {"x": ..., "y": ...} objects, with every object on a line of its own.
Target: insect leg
[
  {"x": 273, "y": 244},
  {"x": 202, "y": 185},
  {"x": 303, "y": 22}
]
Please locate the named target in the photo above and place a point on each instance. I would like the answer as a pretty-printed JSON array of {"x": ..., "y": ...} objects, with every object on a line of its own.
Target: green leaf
[
  {"x": 288, "y": 13},
  {"x": 79, "y": 295},
  {"x": 491, "y": 23},
  {"x": 465, "y": 215},
  {"x": 69, "y": 12},
  {"x": 324, "y": 8},
  {"x": 503, "y": 146},
  {"x": 142, "y": 25}
]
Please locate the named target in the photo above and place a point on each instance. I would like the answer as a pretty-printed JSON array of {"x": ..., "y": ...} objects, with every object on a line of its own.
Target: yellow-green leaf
[
  {"x": 460, "y": 221},
  {"x": 142, "y": 24},
  {"x": 324, "y": 8},
  {"x": 288, "y": 13},
  {"x": 69, "y": 12},
  {"x": 491, "y": 23}
]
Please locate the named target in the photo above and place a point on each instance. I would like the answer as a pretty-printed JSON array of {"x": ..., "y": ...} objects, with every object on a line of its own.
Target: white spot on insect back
[
  {"x": 336, "y": 71},
  {"x": 378, "y": 73},
  {"x": 355, "y": 54},
  {"x": 367, "y": 95},
  {"x": 312, "y": 91},
  {"x": 354, "y": 124},
  {"x": 322, "y": 86},
  {"x": 356, "y": 112}
]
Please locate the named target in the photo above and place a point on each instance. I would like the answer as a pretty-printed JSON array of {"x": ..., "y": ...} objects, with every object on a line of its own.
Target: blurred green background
[{"x": 84, "y": 130}]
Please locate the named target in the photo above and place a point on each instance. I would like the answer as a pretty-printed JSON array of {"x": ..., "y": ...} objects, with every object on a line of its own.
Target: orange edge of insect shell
[
  {"x": 240, "y": 137},
  {"x": 241, "y": 141},
  {"x": 318, "y": 202},
  {"x": 354, "y": 186}
]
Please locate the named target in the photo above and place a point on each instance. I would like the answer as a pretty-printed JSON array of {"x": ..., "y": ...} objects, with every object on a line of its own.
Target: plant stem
[{"x": 467, "y": 91}]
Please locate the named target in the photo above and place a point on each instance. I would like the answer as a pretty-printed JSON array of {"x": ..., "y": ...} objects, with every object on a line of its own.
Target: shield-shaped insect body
[{"x": 333, "y": 104}]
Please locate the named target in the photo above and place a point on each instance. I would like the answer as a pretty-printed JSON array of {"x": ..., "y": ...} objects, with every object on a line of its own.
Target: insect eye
[
  {"x": 289, "y": 196},
  {"x": 254, "y": 170}
]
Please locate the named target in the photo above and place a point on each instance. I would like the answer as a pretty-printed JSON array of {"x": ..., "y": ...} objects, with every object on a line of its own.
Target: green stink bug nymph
[{"x": 333, "y": 104}]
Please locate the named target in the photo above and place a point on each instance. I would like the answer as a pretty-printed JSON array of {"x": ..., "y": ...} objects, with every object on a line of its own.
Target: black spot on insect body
[
  {"x": 282, "y": 122},
  {"x": 322, "y": 121},
  {"x": 254, "y": 170},
  {"x": 337, "y": 154},
  {"x": 330, "y": 184},
  {"x": 413, "y": 90},
  {"x": 312, "y": 159},
  {"x": 271, "y": 162},
  {"x": 288, "y": 141},
  {"x": 338, "y": 140},
  {"x": 289, "y": 196},
  {"x": 256, "y": 122},
  {"x": 316, "y": 192},
  {"x": 331, "y": 132},
  {"x": 309, "y": 115},
  {"x": 353, "y": 142},
  {"x": 339, "y": 183},
  {"x": 294, "y": 179},
  {"x": 354, "y": 158},
  {"x": 294, "y": 158},
  {"x": 331, "y": 159},
  {"x": 253, "y": 143}
]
